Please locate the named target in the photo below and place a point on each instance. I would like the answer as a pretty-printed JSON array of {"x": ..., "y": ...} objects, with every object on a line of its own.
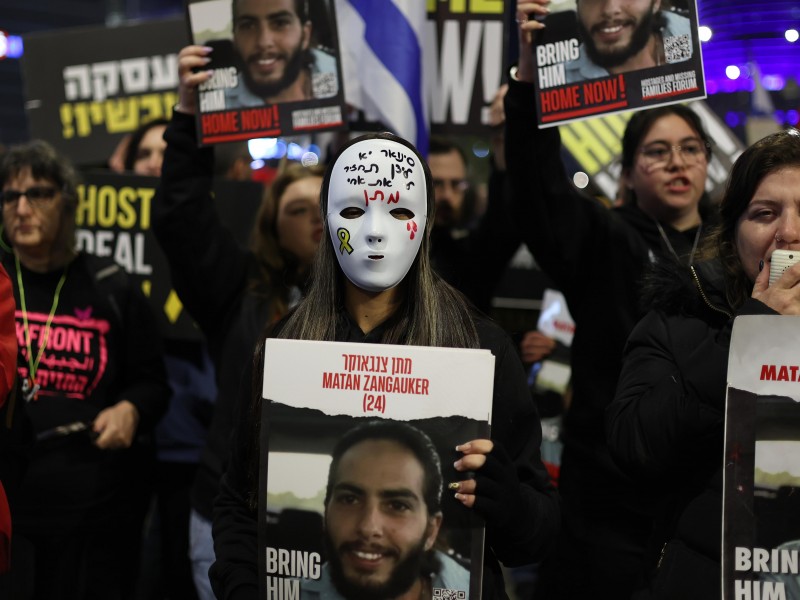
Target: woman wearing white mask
[{"x": 373, "y": 283}]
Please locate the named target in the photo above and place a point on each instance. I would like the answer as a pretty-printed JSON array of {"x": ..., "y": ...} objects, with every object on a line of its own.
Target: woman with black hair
[
  {"x": 597, "y": 258},
  {"x": 666, "y": 423},
  {"x": 372, "y": 282}
]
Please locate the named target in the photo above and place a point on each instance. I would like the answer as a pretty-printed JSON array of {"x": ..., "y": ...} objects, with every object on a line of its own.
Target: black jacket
[
  {"x": 666, "y": 423},
  {"x": 597, "y": 257},
  {"x": 103, "y": 347},
  {"x": 524, "y": 537},
  {"x": 211, "y": 272}
]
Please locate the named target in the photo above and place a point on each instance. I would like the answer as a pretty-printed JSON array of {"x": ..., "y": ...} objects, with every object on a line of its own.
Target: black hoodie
[{"x": 666, "y": 423}]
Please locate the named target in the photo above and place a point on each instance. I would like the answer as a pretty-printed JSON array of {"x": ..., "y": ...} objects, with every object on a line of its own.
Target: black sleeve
[
  {"x": 208, "y": 266},
  {"x": 670, "y": 398},
  {"x": 560, "y": 225},
  {"x": 234, "y": 575},
  {"x": 144, "y": 374},
  {"x": 489, "y": 248},
  {"x": 528, "y": 535}
]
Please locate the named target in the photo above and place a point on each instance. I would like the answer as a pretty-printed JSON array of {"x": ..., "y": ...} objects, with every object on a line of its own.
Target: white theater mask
[{"x": 377, "y": 210}]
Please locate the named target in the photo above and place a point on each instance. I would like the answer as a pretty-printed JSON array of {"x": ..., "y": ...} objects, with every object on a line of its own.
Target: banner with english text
[
  {"x": 273, "y": 73},
  {"x": 591, "y": 63},
  {"x": 396, "y": 414},
  {"x": 761, "y": 489}
]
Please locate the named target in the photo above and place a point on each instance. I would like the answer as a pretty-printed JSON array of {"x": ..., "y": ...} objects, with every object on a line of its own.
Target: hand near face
[
  {"x": 116, "y": 426},
  {"x": 191, "y": 58},
  {"x": 783, "y": 296},
  {"x": 527, "y": 10}
]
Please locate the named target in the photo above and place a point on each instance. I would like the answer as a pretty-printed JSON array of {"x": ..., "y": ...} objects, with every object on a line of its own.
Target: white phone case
[{"x": 782, "y": 260}]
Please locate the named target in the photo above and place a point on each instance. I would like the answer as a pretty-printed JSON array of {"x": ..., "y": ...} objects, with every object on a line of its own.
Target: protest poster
[
  {"x": 272, "y": 74},
  {"x": 86, "y": 88},
  {"x": 465, "y": 53},
  {"x": 113, "y": 219},
  {"x": 588, "y": 64},
  {"x": 761, "y": 503},
  {"x": 318, "y": 394}
]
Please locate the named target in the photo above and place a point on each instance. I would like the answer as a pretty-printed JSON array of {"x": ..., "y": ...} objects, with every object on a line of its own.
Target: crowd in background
[{"x": 133, "y": 479}]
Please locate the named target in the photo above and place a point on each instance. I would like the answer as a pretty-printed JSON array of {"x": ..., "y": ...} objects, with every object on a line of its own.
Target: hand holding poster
[
  {"x": 590, "y": 61},
  {"x": 761, "y": 522},
  {"x": 369, "y": 425},
  {"x": 273, "y": 68}
]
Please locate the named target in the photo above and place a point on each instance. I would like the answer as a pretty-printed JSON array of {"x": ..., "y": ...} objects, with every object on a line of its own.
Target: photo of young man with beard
[
  {"x": 271, "y": 51},
  {"x": 618, "y": 36},
  {"x": 382, "y": 519}
]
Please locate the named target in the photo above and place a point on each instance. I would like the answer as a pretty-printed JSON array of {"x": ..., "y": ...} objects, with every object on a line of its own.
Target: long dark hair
[
  {"x": 432, "y": 314},
  {"x": 775, "y": 152}
]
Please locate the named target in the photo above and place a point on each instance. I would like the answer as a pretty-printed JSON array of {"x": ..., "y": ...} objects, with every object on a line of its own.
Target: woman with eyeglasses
[
  {"x": 92, "y": 380},
  {"x": 666, "y": 423},
  {"x": 597, "y": 257}
]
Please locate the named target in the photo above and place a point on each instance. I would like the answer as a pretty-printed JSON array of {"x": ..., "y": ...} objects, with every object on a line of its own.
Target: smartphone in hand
[{"x": 782, "y": 260}]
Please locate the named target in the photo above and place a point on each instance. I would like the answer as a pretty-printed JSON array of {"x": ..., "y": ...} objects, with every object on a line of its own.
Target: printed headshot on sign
[
  {"x": 608, "y": 37},
  {"x": 382, "y": 517},
  {"x": 276, "y": 51}
]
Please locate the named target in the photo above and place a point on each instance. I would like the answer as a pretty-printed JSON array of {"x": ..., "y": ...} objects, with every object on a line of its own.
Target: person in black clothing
[
  {"x": 666, "y": 423},
  {"x": 372, "y": 282},
  {"x": 93, "y": 380},
  {"x": 597, "y": 257},
  {"x": 470, "y": 248},
  {"x": 231, "y": 292}
]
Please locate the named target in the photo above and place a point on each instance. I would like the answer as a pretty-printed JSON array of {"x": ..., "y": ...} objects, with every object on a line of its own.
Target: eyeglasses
[
  {"x": 458, "y": 185},
  {"x": 37, "y": 195},
  {"x": 658, "y": 155}
]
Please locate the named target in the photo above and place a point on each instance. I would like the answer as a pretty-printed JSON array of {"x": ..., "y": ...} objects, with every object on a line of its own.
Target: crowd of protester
[{"x": 94, "y": 484}]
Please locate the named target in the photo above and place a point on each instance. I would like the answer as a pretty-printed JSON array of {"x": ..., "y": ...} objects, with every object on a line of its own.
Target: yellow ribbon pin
[{"x": 344, "y": 237}]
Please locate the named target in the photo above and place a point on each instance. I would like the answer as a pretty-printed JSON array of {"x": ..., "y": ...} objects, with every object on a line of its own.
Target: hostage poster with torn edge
[
  {"x": 761, "y": 485},
  {"x": 259, "y": 86},
  {"x": 315, "y": 392},
  {"x": 570, "y": 86}
]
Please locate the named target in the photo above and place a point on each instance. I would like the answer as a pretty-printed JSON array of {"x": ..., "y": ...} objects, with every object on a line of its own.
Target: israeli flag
[{"x": 382, "y": 63}]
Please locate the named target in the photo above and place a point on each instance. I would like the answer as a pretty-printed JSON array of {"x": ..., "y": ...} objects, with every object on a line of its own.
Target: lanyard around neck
[
  {"x": 33, "y": 364},
  {"x": 669, "y": 244}
]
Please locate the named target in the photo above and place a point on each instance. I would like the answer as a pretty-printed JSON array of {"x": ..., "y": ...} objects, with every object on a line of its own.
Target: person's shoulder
[
  {"x": 452, "y": 576},
  {"x": 324, "y": 60},
  {"x": 107, "y": 275},
  {"x": 319, "y": 589},
  {"x": 583, "y": 68},
  {"x": 676, "y": 23},
  {"x": 99, "y": 267},
  {"x": 490, "y": 335},
  {"x": 240, "y": 96}
]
